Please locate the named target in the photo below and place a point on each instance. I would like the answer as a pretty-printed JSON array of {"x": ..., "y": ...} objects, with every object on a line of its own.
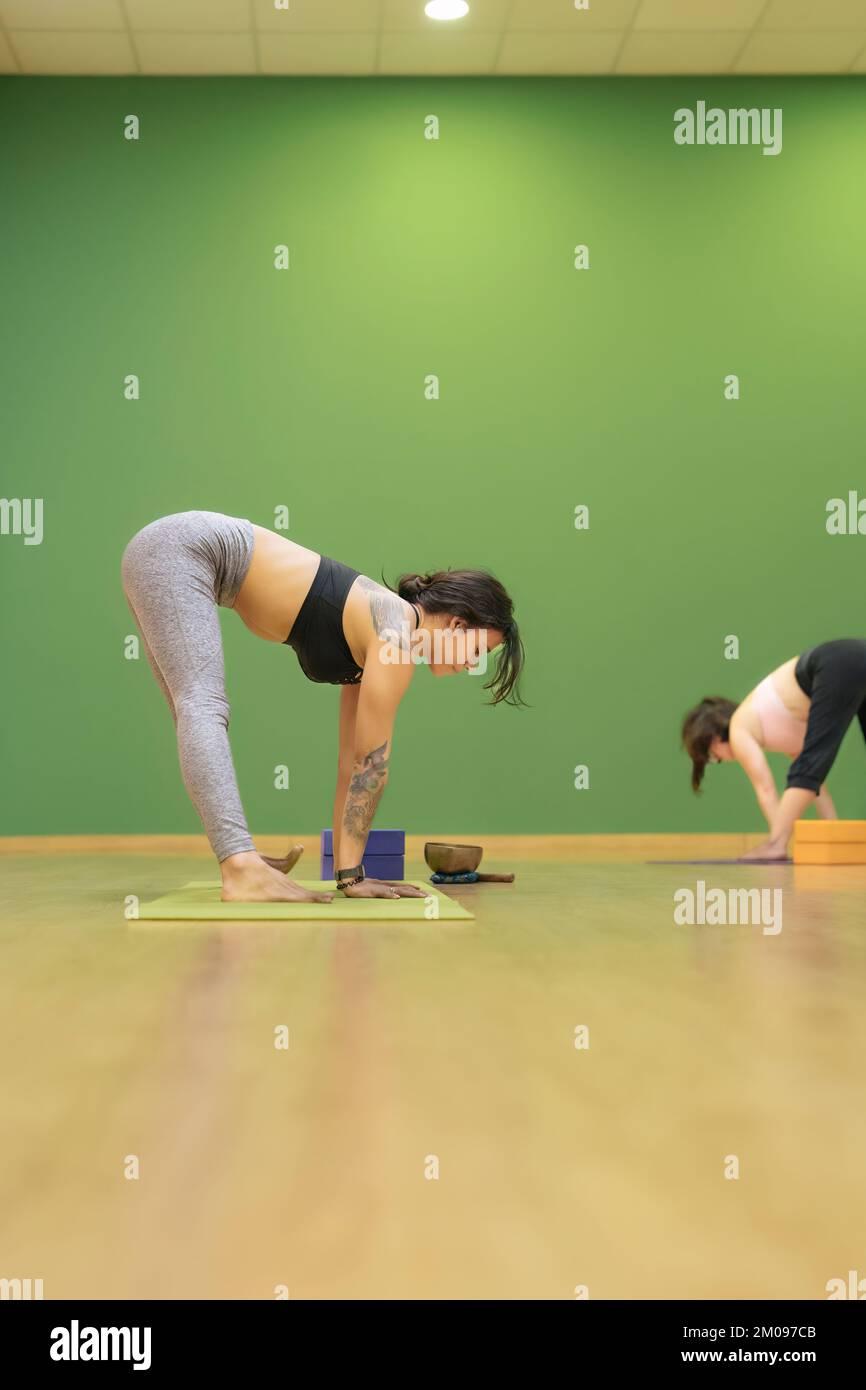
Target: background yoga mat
[
  {"x": 199, "y": 900},
  {"x": 745, "y": 862}
]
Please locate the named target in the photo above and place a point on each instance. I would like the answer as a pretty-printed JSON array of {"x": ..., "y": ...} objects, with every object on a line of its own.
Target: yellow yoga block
[
  {"x": 830, "y": 832},
  {"x": 830, "y": 853}
]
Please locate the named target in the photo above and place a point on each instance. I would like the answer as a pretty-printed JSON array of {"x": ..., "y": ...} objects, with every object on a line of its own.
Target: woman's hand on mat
[
  {"x": 404, "y": 890},
  {"x": 770, "y": 849},
  {"x": 379, "y": 888},
  {"x": 248, "y": 879}
]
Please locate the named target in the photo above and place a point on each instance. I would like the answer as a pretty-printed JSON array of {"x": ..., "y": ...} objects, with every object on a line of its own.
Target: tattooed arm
[
  {"x": 348, "y": 714},
  {"x": 383, "y": 686},
  {"x": 368, "y": 781}
]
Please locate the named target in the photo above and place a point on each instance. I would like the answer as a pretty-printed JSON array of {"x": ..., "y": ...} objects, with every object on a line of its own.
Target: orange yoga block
[
  {"x": 830, "y": 853},
  {"x": 830, "y": 832}
]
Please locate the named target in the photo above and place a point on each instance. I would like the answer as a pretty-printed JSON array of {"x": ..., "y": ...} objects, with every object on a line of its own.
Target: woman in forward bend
[
  {"x": 803, "y": 708},
  {"x": 345, "y": 629}
]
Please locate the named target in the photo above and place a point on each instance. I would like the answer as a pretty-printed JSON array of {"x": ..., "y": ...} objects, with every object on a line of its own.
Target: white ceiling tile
[
  {"x": 485, "y": 16},
  {"x": 326, "y": 54},
  {"x": 814, "y": 15},
  {"x": 448, "y": 54},
  {"x": 527, "y": 54},
  {"x": 7, "y": 57},
  {"x": 683, "y": 15},
  {"x": 497, "y": 37},
  {"x": 192, "y": 15},
  {"x": 801, "y": 52},
  {"x": 99, "y": 54},
  {"x": 62, "y": 14},
  {"x": 318, "y": 16},
  {"x": 539, "y": 16},
  {"x": 196, "y": 54},
  {"x": 659, "y": 53}
]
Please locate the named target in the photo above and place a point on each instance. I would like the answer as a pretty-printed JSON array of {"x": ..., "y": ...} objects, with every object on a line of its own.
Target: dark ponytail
[
  {"x": 482, "y": 602},
  {"x": 708, "y": 720}
]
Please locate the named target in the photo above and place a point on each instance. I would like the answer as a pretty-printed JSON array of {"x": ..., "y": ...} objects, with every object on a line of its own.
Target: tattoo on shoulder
[{"x": 387, "y": 612}]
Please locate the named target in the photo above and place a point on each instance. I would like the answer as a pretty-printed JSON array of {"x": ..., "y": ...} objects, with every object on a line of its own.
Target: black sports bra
[{"x": 317, "y": 635}]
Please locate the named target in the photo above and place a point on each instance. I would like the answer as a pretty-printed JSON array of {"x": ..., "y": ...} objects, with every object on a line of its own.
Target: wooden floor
[{"x": 557, "y": 1167}]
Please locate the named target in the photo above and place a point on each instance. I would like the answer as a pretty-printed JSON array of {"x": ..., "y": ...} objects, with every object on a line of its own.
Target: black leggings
[{"x": 833, "y": 675}]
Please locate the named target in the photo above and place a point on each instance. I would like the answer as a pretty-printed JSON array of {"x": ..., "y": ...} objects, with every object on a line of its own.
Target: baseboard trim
[{"x": 559, "y": 848}]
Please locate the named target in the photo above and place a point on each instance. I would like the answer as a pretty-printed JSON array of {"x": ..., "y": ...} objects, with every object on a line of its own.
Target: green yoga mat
[{"x": 200, "y": 901}]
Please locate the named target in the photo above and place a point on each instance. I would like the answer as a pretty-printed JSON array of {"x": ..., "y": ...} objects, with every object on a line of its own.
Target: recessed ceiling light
[{"x": 446, "y": 9}]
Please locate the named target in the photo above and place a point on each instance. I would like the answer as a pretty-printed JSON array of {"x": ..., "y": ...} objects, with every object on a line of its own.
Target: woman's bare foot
[
  {"x": 248, "y": 879},
  {"x": 770, "y": 851},
  {"x": 286, "y": 864}
]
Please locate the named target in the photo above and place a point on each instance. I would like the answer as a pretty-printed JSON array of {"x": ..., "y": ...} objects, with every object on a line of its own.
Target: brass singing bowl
[{"x": 452, "y": 859}]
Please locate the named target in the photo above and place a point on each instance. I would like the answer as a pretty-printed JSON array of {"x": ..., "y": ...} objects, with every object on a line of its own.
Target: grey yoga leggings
[{"x": 175, "y": 573}]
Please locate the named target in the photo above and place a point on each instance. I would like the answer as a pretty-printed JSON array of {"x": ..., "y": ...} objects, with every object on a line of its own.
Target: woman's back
[{"x": 276, "y": 584}]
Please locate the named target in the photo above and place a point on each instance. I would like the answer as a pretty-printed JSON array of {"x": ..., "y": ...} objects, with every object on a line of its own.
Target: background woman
[{"x": 803, "y": 708}]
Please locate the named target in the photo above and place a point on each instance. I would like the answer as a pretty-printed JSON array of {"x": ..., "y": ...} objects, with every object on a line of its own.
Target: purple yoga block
[
  {"x": 378, "y": 842},
  {"x": 375, "y": 866}
]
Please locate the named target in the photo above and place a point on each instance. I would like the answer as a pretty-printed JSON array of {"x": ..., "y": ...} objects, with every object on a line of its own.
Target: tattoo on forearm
[
  {"x": 365, "y": 789},
  {"x": 387, "y": 611}
]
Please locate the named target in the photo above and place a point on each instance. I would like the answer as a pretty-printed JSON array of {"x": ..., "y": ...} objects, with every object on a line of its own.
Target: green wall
[{"x": 305, "y": 389}]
